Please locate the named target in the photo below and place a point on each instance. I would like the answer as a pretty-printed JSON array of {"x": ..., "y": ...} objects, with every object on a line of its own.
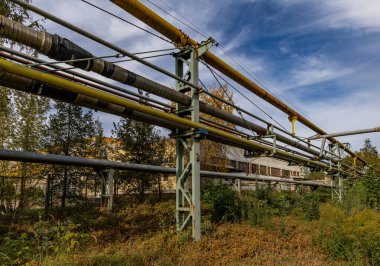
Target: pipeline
[
  {"x": 31, "y": 157},
  {"x": 159, "y": 24},
  {"x": 52, "y": 92},
  {"x": 45, "y": 90},
  {"x": 348, "y": 133},
  {"x": 60, "y": 49},
  {"x": 85, "y": 82},
  {"x": 164, "y": 124},
  {"x": 109, "y": 98}
]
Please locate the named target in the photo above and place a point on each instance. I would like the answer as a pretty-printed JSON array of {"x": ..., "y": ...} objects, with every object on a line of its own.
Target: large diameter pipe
[
  {"x": 52, "y": 92},
  {"x": 59, "y": 48},
  {"x": 347, "y": 133},
  {"x": 103, "y": 96},
  {"x": 98, "y": 39},
  {"x": 31, "y": 157},
  {"x": 146, "y": 15}
]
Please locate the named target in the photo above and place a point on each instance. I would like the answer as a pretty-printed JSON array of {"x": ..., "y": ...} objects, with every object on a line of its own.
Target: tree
[
  {"x": 213, "y": 154},
  {"x": 143, "y": 144},
  {"x": 70, "y": 133},
  {"x": 368, "y": 148},
  {"x": 22, "y": 114}
]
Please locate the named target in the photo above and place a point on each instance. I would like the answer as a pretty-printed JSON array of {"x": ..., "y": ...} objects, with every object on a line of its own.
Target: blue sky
[{"x": 320, "y": 57}]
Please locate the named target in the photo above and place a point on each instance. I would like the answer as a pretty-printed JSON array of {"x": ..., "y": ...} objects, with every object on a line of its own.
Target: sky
[{"x": 319, "y": 57}]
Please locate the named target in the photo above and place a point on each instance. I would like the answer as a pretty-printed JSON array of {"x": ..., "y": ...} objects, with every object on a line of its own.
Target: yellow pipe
[
  {"x": 149, "y": 17},
  {"x": 17, "y": 69}
]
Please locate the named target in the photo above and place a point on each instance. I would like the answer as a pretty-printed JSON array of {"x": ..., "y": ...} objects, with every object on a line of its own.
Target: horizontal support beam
[{"x": 31, "y": 157}]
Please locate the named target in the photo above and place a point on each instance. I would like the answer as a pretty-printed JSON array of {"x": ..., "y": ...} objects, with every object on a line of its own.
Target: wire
[
  {"x": 156, "y": 51},
  {"x": 212, "y": 71},
  {"x": 230, "y": 98},
  {"x": 255, "y": 77},
  {"x": 126, "y": 21},
  {"x": 146, "y": 57},
  {"x": 75, "y": 60},
  {"x": 191, "y": 26}
]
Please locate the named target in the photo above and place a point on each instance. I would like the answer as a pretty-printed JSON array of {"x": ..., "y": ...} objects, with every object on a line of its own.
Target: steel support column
[
  {"x": 188, "y": 204},
  {"x": 337, "y": 189}
]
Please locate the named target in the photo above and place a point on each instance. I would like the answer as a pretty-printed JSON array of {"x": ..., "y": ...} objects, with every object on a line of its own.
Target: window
[
  {"x": 255, "y": 169},
  {"x": 276, "y": 172},
  {"x": 286, "y": 173},
  {"x": 232, "y": 163},
  {"x": 243, "y": 166},
  {"x": 263, "y": 170}
]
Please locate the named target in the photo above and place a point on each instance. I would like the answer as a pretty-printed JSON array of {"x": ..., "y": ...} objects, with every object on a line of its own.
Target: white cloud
[
  {"x": 363, "y": 14},
  {"x": 311, "y": 70}
]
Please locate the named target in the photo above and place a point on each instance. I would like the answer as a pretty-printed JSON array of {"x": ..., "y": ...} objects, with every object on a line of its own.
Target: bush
[
  {"x": 354, "y": 238},
  {"x": 310, "y": 207},
  {"x": 226, "y": 205},
  {"x": 255, "y": 207},
  {"x": 45, "y": 239}
]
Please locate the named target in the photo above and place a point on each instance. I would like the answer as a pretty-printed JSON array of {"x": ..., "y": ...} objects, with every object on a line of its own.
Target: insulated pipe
[
  {"x": 59, "y": 48},
  {"x": 347, "y": 133},
  {"x": 85, "y": 82},
  {"x": 109, "y": 98},
  {"x": 28, "y": 85},
  {"x": 98, "y": 40},
  {"x": 31, "y": 157},
  {"x": 149, "y": 17},
  {"x": 77, "y": 74}
]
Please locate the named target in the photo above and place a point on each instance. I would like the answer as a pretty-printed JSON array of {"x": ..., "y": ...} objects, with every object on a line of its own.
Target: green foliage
[
  {"x": 310, "y": 207},
  {"x": 354, "y": 238},
  {"x": 45, "y": 239},
  {"x": 224, "y": 201},
  {"x": 72, "y": 131},
  {"x": 256, "y": 208},
  {"x": 143, "y": 144},
  {"x": 371, "y": 183}
]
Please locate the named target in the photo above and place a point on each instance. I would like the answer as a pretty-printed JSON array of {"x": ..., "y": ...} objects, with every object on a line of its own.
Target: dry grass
[{"x": 225, "y": 244}]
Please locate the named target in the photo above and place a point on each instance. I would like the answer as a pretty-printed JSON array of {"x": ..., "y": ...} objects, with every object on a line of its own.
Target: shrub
[
  {"x": 45, "y": 239},
  {"x": 310, "y": 207},
  {"x": 354, "y": 238},
  {"x": 226, "y": 205}
]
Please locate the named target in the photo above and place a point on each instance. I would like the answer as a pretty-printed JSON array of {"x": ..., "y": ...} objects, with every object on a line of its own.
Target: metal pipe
[
  {"x": 58, "y": 48},
  {"x": 149, "y": 17},
  {"x": 109, "y": 98},
  {"x": 45, "y": 90},
  {"x": 98, "y": 40},
  {"x": 85, "y": 77},
  {"x": 31, "y": 157},
  {"x": 347, "y": 133},
  {"x": 73, "y": 78}
]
